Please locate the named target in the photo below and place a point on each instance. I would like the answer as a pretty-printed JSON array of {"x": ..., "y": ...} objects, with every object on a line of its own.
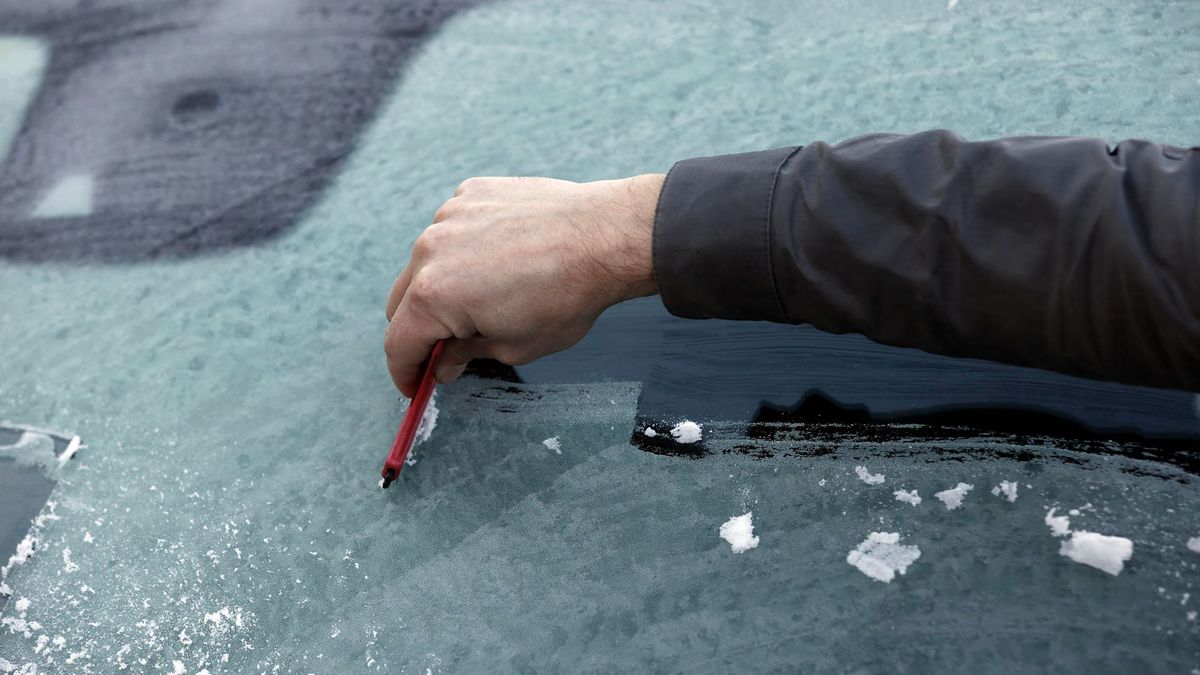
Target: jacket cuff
[{"x": 712, "y": 237}]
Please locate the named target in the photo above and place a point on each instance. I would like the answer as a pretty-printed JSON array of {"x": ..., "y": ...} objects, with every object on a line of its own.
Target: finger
[
  {"x": 398, "y": 290},
  {"x": 455, "y": 357},
  {"x": 508, "y": 352},
  {"x": 410, "y": 339},
  {"x": 446, "y": 375}
]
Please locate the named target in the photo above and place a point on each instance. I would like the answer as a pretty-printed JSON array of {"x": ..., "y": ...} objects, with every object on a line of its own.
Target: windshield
[{"x": 203, "y": 205}]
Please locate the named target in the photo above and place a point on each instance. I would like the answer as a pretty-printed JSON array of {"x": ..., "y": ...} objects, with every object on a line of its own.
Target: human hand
[{"x": 514, "y": 269}]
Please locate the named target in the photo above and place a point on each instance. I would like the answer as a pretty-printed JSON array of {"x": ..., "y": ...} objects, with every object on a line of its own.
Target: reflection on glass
[{"x": 22, "y": 63}]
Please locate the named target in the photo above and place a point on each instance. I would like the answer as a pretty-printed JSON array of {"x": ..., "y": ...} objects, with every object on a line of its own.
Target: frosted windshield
[{"x": 225, "y": 514}]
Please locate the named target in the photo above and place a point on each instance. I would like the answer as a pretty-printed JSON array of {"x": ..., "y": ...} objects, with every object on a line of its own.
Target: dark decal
[{"x": 192, "y": 126}]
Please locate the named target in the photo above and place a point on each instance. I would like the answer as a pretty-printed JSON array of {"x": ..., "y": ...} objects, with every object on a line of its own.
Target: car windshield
[{"x": 204, "y": 204}]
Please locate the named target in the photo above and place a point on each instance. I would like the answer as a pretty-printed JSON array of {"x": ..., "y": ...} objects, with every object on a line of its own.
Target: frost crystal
[
  {"x": 953, "y": 498},
  {"x": 424, "y": 428},
  {"x": 1101, "y": 551},
  {"x": 739, "y": 532},
  {"x": 687, "y": 431},
  {"x": 1060, "y": 526},
  {"x": 1007, "y": 488},
  {"x": 428, "y": 420},
  {"x": 868, "y": 477},
  {"x": 882, "y": 555}
]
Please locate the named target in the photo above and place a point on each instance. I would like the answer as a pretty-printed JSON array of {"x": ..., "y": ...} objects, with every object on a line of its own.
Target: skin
[{"x": 514, "y": 269}]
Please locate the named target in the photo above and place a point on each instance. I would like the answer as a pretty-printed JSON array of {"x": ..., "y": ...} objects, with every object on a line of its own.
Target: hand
[{"x": 514, "y": 269}]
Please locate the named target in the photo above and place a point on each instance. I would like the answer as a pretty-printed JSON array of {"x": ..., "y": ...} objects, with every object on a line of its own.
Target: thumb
[{"x": 410, "y": 338}]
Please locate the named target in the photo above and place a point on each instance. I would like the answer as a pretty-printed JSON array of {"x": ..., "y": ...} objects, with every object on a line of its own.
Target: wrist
[{"x": 631, "y": 226}]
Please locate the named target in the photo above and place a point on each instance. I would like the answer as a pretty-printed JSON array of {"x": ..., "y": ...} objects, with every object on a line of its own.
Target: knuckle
[
  {"x": 468, "y": 185},
  {"x": 420, "y": 248},
  {"x": 446, "y": 210},
  {"x": 434, "y": 235},
  {"x": 425, "y": 287},
  {"x": 427, "y": 242}
]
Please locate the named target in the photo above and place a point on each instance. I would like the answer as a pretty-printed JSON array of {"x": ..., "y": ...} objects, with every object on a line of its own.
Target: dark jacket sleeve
[{"x": 1057, "y": 253}]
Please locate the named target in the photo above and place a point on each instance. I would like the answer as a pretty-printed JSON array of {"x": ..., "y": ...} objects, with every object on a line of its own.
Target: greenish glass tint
[{"x": 226, "y": 516}]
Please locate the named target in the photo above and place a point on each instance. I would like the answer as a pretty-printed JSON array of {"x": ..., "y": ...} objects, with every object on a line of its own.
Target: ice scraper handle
[{"x": 412, "y": 418}]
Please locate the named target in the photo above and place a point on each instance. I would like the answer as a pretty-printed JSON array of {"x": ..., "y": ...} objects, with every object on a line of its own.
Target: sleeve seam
[
  {"x": 662, "y": 192},
  {"x": 767, "y": 232}
]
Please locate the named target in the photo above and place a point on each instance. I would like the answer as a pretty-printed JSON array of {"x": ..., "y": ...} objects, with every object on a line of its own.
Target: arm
[
  {"x": 1048, "y": 252},
  {"x": 1053, "y": 253}
]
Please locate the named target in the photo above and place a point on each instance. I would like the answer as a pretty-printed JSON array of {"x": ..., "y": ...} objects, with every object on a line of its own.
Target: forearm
[{"x": 1051, "y": 253}]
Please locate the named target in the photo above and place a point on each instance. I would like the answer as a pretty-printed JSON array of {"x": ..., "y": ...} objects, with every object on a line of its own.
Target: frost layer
[
  {"x": 424, "y": 429},
  {"x": 428, "y": 419}
]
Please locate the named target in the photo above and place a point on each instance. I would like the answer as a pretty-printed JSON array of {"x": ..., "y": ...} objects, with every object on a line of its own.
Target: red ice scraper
[{"x": 412, "y": 419}]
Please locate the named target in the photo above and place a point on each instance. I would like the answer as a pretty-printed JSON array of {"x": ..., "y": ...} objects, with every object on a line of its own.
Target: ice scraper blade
[{"x": 412, "y": 418}]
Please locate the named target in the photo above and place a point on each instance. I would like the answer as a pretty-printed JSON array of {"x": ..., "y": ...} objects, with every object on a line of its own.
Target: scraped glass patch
[
  {"x": 30, "y": 461},
  {"x": 31, "y": 449},
  {"x": 22, "y": 62}
]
